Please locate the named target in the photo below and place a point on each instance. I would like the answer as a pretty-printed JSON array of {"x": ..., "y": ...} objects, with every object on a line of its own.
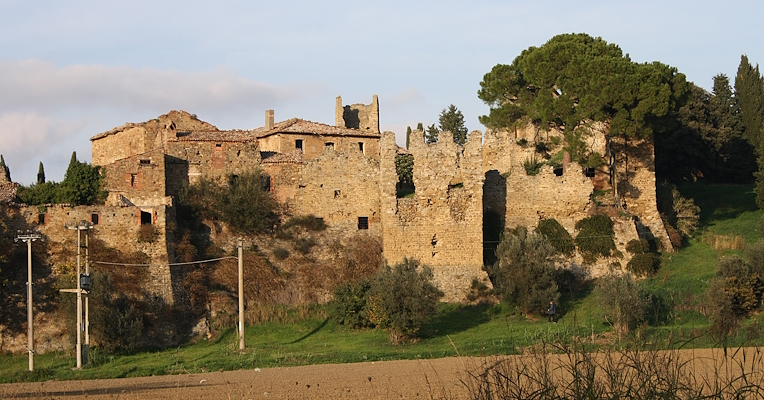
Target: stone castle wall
[
  {"x": 441, "y": 226},
  {"x": 314, "y": 145},
  {"x": 189, "y": 161},
  {"x": 341, "y": 187},
  {"x": 140, "y": 179}
]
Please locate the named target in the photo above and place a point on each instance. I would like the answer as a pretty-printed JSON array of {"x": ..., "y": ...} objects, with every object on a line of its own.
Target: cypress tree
[
  {"x": 4, "y": 169},
  {"x": 749, "y": 93},
  {"x": 420, "y": 127},
  {"x": 40, "y": 174},
  {"x": 408, "y": 136}
]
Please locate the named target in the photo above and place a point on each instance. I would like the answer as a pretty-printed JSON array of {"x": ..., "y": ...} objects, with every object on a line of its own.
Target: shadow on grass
[
  {"x": 454, "y": 318},
  {"x": 311, "y": 333},
  {"x": 720, "y": 202}
]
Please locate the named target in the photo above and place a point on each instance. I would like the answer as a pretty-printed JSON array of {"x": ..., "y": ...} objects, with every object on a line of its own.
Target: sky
[{"x": 70, "y": 70}]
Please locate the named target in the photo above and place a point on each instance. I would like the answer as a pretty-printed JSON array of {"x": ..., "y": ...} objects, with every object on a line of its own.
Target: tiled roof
[
  {"x": 217, "y": 136},
  {"x": 8, "y": 192},
  {"x": 295, "y": 157},
  {"x": 297, "y": 125}
]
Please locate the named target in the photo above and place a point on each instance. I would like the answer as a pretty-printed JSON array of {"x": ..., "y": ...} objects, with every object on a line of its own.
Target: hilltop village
[{"x": 345, "y": 174}]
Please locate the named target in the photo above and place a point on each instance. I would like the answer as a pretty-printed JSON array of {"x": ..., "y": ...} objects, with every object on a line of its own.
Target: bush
[
  {"x": 147, "y": 233},
  {"x": 525, "y": 273},
  {"x": 732, "y": 295},
  {"x": 557, "y": 236},
  {"x": 755, "y": 255},
  {"x": 116, "y": 325},
  {"x": 402, "y": 299},
  {"x": 623, "y": 303},
  {"x": 310, "y": 223},
  {"x": 304, "y": 245},
  {"x": 595, "y": 237},
  {"x": 680, "y": 212},
  {"x": 349, "y": 305},
  {"x": 532, "y": 165},
  {"x": 643, "y": 262},
  {"x": 280, "y": 253}
]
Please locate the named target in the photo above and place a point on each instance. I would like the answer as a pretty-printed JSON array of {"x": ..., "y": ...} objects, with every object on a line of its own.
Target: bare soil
[{"x": 445, "y": 378}]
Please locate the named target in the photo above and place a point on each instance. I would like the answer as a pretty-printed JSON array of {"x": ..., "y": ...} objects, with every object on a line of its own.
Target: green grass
[{"x": 477, "y": 330}]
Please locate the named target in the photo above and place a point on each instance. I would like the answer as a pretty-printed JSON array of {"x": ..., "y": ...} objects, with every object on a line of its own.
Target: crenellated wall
[{"x": 441, "y": 226}]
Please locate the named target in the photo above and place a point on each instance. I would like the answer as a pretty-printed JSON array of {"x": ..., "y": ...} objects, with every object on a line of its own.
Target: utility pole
[
  {"x": 87, "y": 295},
  {"x": 82, "y": 226},
  {"x": 241, "y": 295},
  {"x": 28, "y": 237}
]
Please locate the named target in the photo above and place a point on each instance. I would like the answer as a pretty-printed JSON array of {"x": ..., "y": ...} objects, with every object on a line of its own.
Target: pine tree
[
  {"x": 408, "y": 136},
  {"x": 431, "y": 136},
  {"x": 40, "y": 174},
  {"x": 451, "y": 119}
]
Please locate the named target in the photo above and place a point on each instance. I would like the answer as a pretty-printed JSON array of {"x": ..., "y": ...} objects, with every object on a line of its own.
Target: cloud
[{"x": 40, "y": 85}]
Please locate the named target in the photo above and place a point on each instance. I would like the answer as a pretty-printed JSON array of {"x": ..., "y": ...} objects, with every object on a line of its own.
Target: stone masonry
[{"x": 441, "y": 226}]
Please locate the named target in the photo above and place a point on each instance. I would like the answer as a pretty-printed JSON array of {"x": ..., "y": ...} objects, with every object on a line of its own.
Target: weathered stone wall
[
  {"x": 117, "y": 227},
  {"x": 634, "y": 162},
  {"x": 313, "y": 145},
  {"x": 189, "y": 161},
  {"x": 121, "y": 145},
  {"x": 358, "y": 116},
  {"x": 140, "y": 179},
  {"x": 285, "y": 179},
  {"x": 441, "y": 225},
  {"x": 340, "y": 187}
]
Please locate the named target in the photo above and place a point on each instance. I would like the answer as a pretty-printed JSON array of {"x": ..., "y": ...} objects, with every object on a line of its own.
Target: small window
[
  {"x": 360, "y": 147},
  {"x": 218, "y": 145},
  {"x": 94, "y": 219},
  {"x": 363, "y": 222},
  {"x": 145, "y": 162},
  {"x": 41, "y": 219},
  {"x": 337, "y": 193},
  {"x": 589, "y": 172},
  {"x": 133, "y": 178},
  {"x": 298, "y": 144},
  {"x": 329, "y": 145},
  {"x": 145, "y": 218},
  {"x": 558, "y": 171}
]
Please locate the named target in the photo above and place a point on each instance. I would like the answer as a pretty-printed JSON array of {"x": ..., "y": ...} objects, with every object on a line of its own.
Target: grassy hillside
[{"x": 729, "y": 219}]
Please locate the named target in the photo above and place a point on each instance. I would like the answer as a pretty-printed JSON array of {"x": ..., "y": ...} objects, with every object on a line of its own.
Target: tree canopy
[
  {"x": 575, "y": 79},
  {"x": 451, "y": 119}
]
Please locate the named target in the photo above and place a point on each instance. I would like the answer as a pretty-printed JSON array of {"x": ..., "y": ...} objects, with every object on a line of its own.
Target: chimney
[{"x": 268, "y": 119}]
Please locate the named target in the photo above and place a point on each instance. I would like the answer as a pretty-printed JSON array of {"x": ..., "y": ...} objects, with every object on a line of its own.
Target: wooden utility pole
[
  {"x": 241, "y": 295},
  {"x": 29, "y": 237}
]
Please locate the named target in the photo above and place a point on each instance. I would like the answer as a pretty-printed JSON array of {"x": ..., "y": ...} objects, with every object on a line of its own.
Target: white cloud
[{"x": 41, "y": 85}]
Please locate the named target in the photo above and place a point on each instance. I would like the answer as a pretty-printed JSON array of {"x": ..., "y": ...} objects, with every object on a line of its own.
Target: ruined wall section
[
  {"x": 314, "y": 145},
  {"x": 342, "y": 188},
  {"x": 190, "y": 161},
  {"x": 117, "y": 226},
  {"x": 121, "y": 145},
  {"x": 364, "y": 117},
  {"x": 634, "y": 166},
  {"x": 441, "y": 225}
]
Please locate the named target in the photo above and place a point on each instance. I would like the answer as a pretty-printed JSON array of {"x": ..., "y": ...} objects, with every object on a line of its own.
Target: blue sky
[{"x": 70, "y": 70}]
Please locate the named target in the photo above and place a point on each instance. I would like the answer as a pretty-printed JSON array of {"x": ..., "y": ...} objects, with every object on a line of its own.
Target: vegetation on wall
[
  {"x": 557, "y": 236},
  {"x": 595, "y": 237}
]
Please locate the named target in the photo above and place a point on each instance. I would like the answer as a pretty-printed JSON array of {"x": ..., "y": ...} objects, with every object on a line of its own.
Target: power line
[{"x": 165, "y": 264}]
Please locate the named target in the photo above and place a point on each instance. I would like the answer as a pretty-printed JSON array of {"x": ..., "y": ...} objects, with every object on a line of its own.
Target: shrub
[
  {"x": 309, "y": 222},
  {"x": 595, "y": 237},
  {"x": 280, "y": 253},
  {"x": 116, "y": 324},
  {"x": 557, "y": 236},
  {"x": 349, "y": 306},
  {"x": 680, "y": 212},
  {"x": 402, "y": 299},
  {"x": 304, "y": 245},
  {"x": 525, "y": 273},
  {"x": 643, "y": 262},
  {"x": 755, "y": 255},
  {"x": 404, "y": 166},
  {"x": 148, "y": 233},
  {"x": 532, "y": 165},
  {"x": 623, "y": 302}
]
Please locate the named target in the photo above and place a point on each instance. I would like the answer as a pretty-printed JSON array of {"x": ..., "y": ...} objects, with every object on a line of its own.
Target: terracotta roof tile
[{"x": 297, "y": 125}]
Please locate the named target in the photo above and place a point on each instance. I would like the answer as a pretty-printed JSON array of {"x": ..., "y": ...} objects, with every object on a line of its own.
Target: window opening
[
  {"x": 218, "y": 144},
  {"x": 145, "y": 218},
  {"x": 145, "y": 162},
  {"x": 133, "y": 177},
  {"x": 41, "y": 219},
  {"x": 589, "y": 172},
  {"x": 363, "y": 222},
  {"x": 298, "y": 144},
  {"x": 558, "y": 171},
  {"x": 360, "y": 147},
  {"x": 329, "y": 145},
  {"x": 94, "y": 219},
  {"x": 337, "y": 193}
]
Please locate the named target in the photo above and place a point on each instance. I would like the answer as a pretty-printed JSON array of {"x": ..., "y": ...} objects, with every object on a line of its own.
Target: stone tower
[
  {"x": 441, "y": 226},
  {"x": 358, "y": 116}
]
